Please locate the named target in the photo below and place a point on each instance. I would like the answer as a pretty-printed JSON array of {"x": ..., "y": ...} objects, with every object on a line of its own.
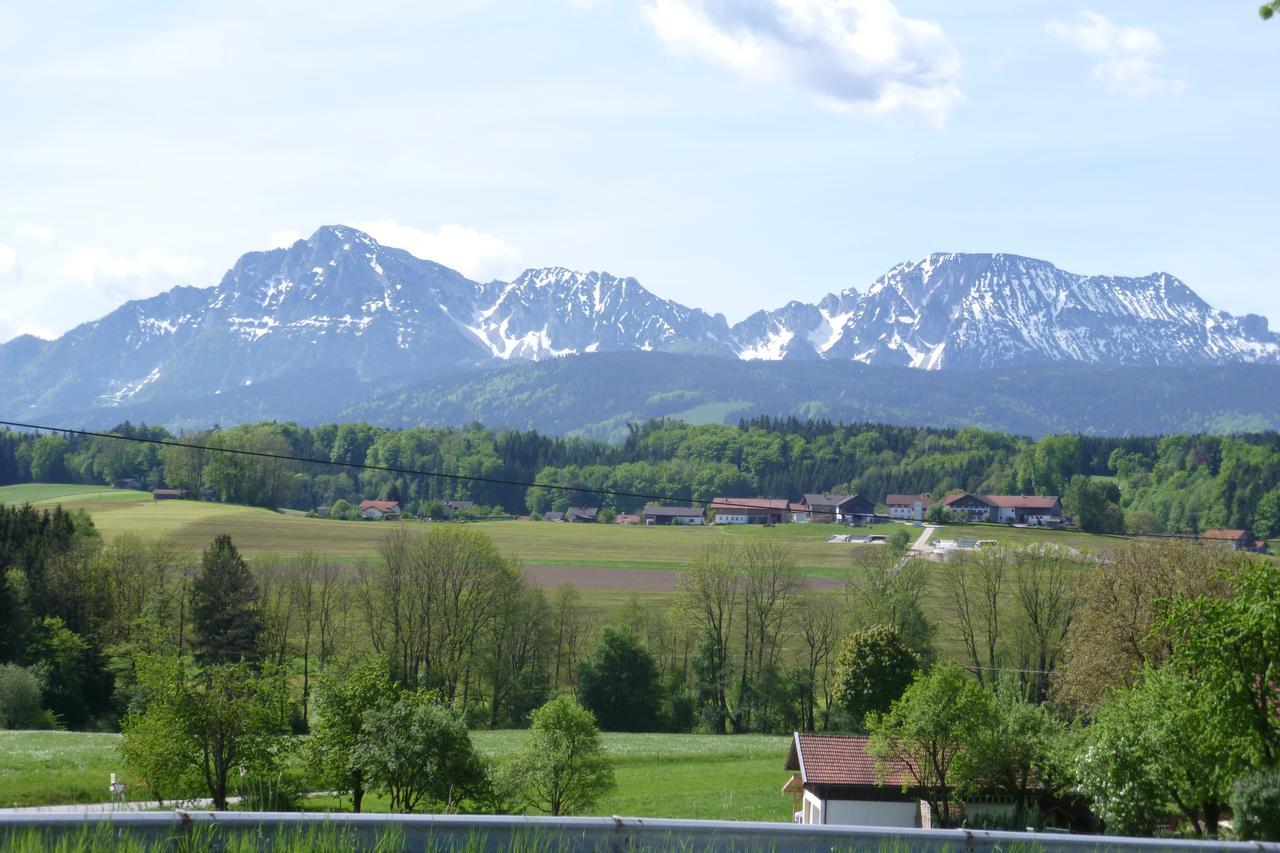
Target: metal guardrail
[{"x": 509, "y": 833}]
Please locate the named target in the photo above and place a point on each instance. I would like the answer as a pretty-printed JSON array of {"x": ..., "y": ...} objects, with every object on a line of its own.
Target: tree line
[{"x": 1175, "y": 484}]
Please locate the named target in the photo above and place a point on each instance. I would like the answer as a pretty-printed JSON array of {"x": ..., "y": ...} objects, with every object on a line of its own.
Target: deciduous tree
[{"x": 562, "y": 768}]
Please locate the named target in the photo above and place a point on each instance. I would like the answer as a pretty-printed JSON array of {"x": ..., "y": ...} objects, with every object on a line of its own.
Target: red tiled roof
[
  {"x": 384, "y": 506},
  {"x": 839, "y": 760},
  {"x": 1218, "y": 533},
  {"x": 908, "y": 500},
  {"x": 753, "y": 503},
  {"x": 1023, "y": 501}
]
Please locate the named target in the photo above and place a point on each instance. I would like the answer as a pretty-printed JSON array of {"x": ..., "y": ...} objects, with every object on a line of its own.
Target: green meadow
[{"x": 675, "y": 776}]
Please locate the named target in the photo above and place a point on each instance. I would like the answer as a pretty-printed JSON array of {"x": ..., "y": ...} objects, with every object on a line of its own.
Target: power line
[{"x": 287, "y": 457}]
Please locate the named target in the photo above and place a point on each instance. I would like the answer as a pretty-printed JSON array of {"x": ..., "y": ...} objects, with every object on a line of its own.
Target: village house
[
  {"x": 837, "y": 509},
  {"x": 835, "y": 782},
  {"x": 1036, "y": 510},
  {"x": 580, "y": 514},
  {"x": 909, "y": 507},
  {"x": 378, "y": 510},
  {"x": 168, "y": 494},
  {"x": 451, "y": 507},
  {"x": 1238, "y": 540},
  {"x": 677, "y": 515},
  {"x": 553, "y": 516},
  {"x": 751, "y": 510}
]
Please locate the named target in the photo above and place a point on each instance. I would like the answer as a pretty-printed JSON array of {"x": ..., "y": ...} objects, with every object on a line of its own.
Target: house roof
[
  {"x": 780, "y": 504},
  {"x": 673, "y": 512},
  {"x": 553, "y": 515},
  {"x": 909, "y": 500},
  {"x": 839, "y": 760},
  {"x": 826, "y": 500},
  {"x": 168, "y": 492},
  {"x": 582, "y": 512},
  {"x": 1023, "y": 501},
  {"x": 955, "y": 499},
  {"x": 381, "y": 506},
  {"x": 1219, "y": 533}
]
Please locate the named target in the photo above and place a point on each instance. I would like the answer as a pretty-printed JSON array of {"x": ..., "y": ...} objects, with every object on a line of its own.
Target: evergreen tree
[{"x": 225, "y": 618}]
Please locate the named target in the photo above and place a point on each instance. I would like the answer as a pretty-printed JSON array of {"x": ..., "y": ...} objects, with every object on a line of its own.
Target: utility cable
[{"x": 389, "y": 469}]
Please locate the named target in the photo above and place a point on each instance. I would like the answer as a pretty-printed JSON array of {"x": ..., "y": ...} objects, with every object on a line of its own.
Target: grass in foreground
[{"x": 659, "y": 775}]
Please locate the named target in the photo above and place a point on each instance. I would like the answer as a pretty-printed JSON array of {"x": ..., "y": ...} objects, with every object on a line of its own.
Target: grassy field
[
  {"x": 35, "y": 493},
  {"x": 193, "y": 524},
  {"x": 45, "y": 768},
  {"x": 659, "y": 775}
]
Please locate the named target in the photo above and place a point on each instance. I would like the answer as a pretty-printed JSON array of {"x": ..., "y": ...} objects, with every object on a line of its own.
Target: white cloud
[
  {"x": 475, "y": 254},
  {"x": 8, "y": 260},
  {"x": 860, "y": 55},
  {"x": 34, "y": 232},
  {"x": 129, "y": 276},
  {"x": 1125, "y": 56},
  {"x": 284, "y": 239}
]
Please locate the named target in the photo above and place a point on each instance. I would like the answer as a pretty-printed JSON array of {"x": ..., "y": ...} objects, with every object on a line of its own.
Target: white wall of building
[
  {"x": 729, "y": 518},
  {"x": 859, "y": 812}
]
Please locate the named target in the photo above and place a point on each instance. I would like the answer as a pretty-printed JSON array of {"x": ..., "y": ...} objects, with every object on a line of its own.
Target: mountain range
[{"x": 339, "y": 325}]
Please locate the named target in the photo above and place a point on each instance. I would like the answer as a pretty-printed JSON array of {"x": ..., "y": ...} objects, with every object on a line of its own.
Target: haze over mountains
[{"x": 340, "y": 326}]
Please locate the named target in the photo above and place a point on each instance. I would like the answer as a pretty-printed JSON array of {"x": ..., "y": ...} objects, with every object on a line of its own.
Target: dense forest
[{"x": 1176, "y": 484}]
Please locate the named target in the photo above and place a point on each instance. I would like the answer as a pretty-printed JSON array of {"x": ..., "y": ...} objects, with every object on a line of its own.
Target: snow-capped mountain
[
  {"x": 340, "y": 316},
  {"x": 555, "y": 311},
  {"x": 977, "y": 311}
]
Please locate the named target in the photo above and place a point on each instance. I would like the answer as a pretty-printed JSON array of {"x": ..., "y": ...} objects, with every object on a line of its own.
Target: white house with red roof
[
  {"x": 836, "y": 783},
  {"x": 909, "y": 507},
  {"x": 1037, "y": 510},
  {"x": 377, "y": 510}
]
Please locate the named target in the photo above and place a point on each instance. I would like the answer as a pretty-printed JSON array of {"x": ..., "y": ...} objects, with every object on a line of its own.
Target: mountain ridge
[{"x": 376, "y": 317}]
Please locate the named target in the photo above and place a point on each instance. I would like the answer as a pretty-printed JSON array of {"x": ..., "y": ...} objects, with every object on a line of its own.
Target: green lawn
[
  {"x": 47, "y": 768},
  {"x": 35, "y": 493},
  {"x": 659, "y": 775}
]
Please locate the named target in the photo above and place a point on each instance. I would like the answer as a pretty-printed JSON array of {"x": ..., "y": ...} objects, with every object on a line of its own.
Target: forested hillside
[{"x": 1178, "y": 483}]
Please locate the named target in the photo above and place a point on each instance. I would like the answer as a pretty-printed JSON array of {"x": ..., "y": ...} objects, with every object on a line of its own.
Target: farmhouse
[
  {"x": 168, "y": 494},
  {"x": 590, "y": 514},
  {"x": 450, "y": 507},
  {"x": 838, "y": 509},
  {"x": 678, "y": 515},
  {"x": 1039, "y": 510},
  {"x": 377, "y": 510},
  {"x": 553, "y": 516},
  {"x": 751, "y": 510},
  {"x": 1238, "y": 540},
  {"x": 836, "y": 783},
  {"x": 909, "y": 507}
]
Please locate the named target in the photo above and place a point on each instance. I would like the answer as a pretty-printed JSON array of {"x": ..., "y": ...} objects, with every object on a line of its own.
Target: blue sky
[{"x": 731, "y": 155}]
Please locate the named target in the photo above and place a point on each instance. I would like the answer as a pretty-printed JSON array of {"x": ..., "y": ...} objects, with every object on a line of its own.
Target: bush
[
  {"x": 20, "y": 694},
  {"x": 1255, "y": 805}
]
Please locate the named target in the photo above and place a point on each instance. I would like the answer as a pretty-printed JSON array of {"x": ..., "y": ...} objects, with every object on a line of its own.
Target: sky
[{"x": 730, "y": 154}]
